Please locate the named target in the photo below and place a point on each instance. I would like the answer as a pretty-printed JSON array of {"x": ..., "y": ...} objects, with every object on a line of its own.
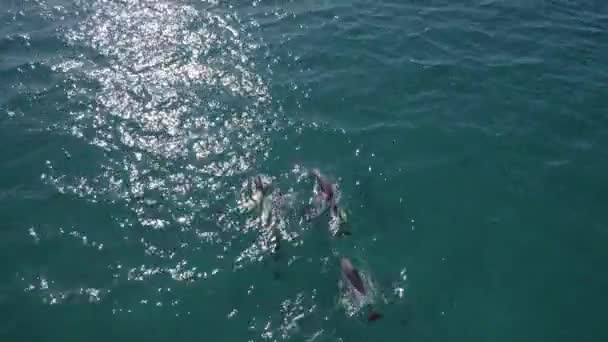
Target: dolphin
[
  {"x": 355, "y": 284},
  {"x": 327, "y": 188},
  {"x": 338, "y": 218},
  {"x": 273, "y": 218},
  {"x": 329, "y": 198},
  {"x": 351, "y": 276},
  {"x": 261, "y": 187}
]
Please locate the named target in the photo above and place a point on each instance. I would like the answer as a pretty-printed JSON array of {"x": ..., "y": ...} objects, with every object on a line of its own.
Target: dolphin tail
[
  {"x": 344, "y": 232},
  {"x": 374, "y": 315}
]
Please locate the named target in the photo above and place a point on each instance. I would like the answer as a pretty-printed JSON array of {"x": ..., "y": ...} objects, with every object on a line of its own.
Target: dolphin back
[
  {"x": 324, "y": 184},
  {"x": 352, "y": 275}
]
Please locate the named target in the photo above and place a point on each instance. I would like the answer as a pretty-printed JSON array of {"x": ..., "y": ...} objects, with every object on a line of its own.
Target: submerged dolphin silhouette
[
  {"x": 351, "y": 275},
  {"x": 329, "y": 195},
  {"x": 327, "y": 188},
  {"x": 354, "y": 282}
]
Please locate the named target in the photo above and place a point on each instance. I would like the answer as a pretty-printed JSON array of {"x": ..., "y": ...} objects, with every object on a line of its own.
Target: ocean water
[{"x": 469, "y": 141}]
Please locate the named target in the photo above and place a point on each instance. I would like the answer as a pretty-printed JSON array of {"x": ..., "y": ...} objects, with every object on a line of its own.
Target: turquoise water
[{"x": 469, "y": 140}]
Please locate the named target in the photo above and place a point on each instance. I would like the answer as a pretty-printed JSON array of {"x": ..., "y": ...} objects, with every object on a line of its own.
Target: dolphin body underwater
[
  {"x": 326, "y": 188},
  {"x": 354, "y": 283},
  {"x": 328, "y": 196},
  {"x": 261, "y": 200},
  {"x": 260, "y": 188}
]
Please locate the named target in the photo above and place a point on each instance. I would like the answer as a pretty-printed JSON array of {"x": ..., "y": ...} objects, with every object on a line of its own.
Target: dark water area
[{"x": 468, "y": 141}]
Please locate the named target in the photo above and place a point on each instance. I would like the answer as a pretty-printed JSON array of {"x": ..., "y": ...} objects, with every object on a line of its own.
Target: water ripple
[{"x": 171, "y": 95}]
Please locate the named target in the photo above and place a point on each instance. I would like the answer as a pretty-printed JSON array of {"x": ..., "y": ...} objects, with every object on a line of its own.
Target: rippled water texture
[{"x": 465, "y": 142}]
